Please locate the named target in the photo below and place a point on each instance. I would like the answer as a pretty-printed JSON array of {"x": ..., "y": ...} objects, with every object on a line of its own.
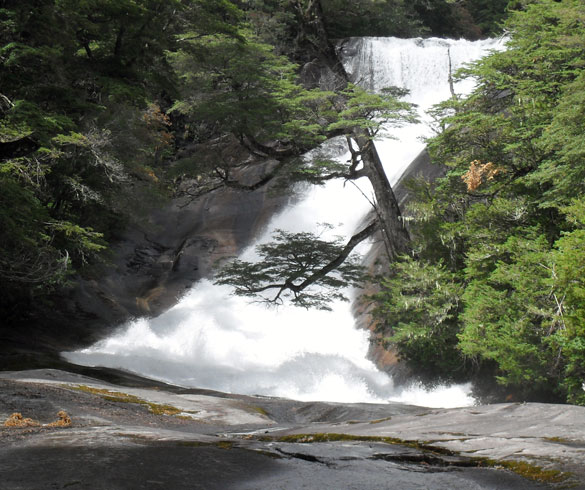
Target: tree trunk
[
  {"x": 395, "y": 236},
  {"x": 313, "y": 38},
  {"x": 312, "y": 41}
]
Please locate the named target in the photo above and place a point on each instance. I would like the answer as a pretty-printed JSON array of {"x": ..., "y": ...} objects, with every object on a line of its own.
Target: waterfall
[{"x": 213, "y": 340}]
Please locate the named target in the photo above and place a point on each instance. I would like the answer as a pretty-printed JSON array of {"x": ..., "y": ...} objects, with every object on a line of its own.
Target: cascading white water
[
  {"x": 420, "y": 65},
  {"x": 216, "y": 341}
]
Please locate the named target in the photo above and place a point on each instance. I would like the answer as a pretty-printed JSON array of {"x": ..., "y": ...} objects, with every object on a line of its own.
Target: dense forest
[
  {"x": 99, "y": 97},
  {"x": 495, "y": 284}
]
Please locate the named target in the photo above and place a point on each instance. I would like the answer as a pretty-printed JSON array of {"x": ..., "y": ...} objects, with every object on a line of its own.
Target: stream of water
[{"x": 213, "y": 340}]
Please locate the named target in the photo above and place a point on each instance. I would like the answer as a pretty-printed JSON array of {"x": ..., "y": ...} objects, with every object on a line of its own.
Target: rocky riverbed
[{"x": 136, "y": 433}]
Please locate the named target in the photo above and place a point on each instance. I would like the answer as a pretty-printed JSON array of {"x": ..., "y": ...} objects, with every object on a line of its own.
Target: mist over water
[{"x": 213, "y": 340}]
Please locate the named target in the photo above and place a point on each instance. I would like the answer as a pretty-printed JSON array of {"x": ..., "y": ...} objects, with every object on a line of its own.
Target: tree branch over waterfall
[
  {"x": 293, "y": 263},
  {"x": 248, "y": 91}
]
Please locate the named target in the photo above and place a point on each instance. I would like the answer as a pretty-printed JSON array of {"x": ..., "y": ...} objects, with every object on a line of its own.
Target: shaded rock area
[
  {"x": 151, "y": 265},
  {"x": 181, "y": 244},
  {"x": 151, "y": 435}
]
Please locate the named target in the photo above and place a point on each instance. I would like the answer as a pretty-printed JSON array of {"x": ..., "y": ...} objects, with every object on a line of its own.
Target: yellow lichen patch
[
  {"x": 558, "y": 440},
  {"x": 522, "y": 468},
  {"x": 17, "y": 420},
  {"x": 333, "y": 437},
  {"x": 225, "y": 444},
  {"x": 532, "y": 472},
  {"x": 119, "y": 397},
  {"x": 63, "y": 421},
  {"x": 123, "y": 398},
  {"x": 112, "y": 396},
  {"x": 379, "y": 421},
  {"x": 163, "y": 409},
  {"x": 256, "y": 409}
]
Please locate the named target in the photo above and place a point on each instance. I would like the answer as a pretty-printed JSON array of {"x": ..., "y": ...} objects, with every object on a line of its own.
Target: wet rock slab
[
  {"x": 548, "y": 436},
  {"x": 166, "y": 437}
]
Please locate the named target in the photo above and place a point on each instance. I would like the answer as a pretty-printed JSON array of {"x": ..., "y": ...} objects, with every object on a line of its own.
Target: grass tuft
[{"x": 17, "y": 420}]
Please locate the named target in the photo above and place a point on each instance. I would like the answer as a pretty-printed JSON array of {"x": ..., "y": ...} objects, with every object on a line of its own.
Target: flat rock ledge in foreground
[{"x": 162, "y": 437}]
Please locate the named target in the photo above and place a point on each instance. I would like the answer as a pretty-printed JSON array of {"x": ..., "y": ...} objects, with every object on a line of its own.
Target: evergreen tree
[
  {"x": 505, "y": 221},
  {"x": 82, "y": 84}
]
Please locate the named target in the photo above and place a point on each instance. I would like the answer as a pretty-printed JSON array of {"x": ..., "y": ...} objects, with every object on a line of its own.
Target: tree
[
  {"x": 80, "y": 81},
  {"x": 248, "y": 90},
  {"x": 488, "y": 14},
  {"x": 569, "y": 260},
  {"x": 293, "y": 263},
  {"x": 503, "y": 225},
  {"x": 418, "y": 305},
  {"x": 371, "y": 18}
]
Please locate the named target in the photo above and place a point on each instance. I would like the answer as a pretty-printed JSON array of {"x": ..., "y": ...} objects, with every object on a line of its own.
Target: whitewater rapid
[{"x": 214, "y": 340}]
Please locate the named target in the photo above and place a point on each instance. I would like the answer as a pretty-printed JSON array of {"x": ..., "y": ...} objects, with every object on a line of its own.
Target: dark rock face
[
  {"x": 421, "y": 167},
  {"x": 149, "y": 268},
  {"x": 181, "y": 245}
]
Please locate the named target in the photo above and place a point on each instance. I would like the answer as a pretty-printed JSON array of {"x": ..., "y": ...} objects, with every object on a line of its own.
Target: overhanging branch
[
  {"x": 288, "y": 284},
  {"x": 334, "y": 264}
]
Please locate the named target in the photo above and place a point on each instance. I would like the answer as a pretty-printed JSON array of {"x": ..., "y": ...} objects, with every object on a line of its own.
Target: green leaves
[
  {"x": 293, "y": 266},
  {"x": 79, "y": 81},
  {"x": 235, "y": 84},
  {"x": 569, "y": 259},
  {"x": 419, "y": 303},
  {"x": 506, "y": 221},
  {"x": 511, "y": 313},
  {"x": 369, "y": 111}
]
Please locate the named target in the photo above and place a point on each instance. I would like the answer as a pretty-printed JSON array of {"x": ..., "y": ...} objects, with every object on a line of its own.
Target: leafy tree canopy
[
  {"x": 315, "y": 270},
  {"x": 82, "y": 84},
  {"x": 505, "y": 225}
]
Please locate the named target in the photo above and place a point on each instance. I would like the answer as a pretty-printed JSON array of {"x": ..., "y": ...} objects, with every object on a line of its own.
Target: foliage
[
  {"x": 422, "y": 301},
  {"x": 275, "y": 22},
  {"x": 241, "y": 86},
  {"x": 83, "y": 86},
  {"x": 371, "y": 18},
  {"x": 369, "y": 111},
  {"x": 569, "y": 259},
  {"x": 446, "y": 18},
  {"x": 512, "y": 315},
  {"x": 488, "y": 15},
  {"x": 505, "y": 225},
  {"x": 298, "y": 257}
]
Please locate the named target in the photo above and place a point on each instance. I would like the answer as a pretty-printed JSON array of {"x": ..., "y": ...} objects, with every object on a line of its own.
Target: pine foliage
[{"x": 505, "y": 226}]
